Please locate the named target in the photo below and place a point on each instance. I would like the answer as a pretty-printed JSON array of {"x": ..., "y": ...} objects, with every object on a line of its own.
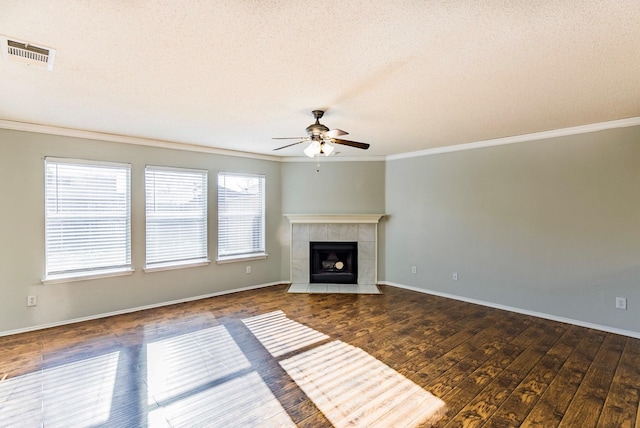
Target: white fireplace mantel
[{"x": 334, "y": 218}]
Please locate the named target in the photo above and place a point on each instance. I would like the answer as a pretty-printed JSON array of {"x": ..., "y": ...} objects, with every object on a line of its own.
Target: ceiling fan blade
[
  {"x": 355, "y": 144},
  {"x": 289, "y": 145},
  {"x": 335, "y": 133},
  {"x": 288, "y": 138}
]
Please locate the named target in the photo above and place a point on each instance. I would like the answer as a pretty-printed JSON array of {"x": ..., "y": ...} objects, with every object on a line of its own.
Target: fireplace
[
  {"x": 333, "y": 262},
  {"x": 334, "y": 228}
]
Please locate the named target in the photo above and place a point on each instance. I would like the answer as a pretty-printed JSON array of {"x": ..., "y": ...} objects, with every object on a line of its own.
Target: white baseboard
[
  {"x": 608, "y": 329},
  {"x": 136, "y": 309},
  {"x": 389, "y": 283}
]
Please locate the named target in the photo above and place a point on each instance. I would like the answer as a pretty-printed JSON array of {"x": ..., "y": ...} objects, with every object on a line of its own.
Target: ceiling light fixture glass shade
[
  {"x": 312, "y": 149},
  {"x": 327, "y": 148}
]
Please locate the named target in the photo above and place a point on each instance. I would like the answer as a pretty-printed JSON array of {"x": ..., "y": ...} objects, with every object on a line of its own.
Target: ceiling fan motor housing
[{"x": 316, "y": 129}]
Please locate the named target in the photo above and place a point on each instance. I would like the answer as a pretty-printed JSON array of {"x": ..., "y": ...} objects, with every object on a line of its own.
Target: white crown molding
[
  {"x": 115, "y": 138},
  {"x": 575, "y": 130},
  {"x": 334, "y": 218}
]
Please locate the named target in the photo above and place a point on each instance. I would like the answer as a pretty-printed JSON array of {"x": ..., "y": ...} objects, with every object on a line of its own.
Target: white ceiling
[{"x": 403, "y": 76}]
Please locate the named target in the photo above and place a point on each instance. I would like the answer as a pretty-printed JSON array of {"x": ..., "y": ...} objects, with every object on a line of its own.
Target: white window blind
[
  {"x": 87, "y": 217},
  {"x": 241, "y": 216},
  {"x": 176, "y": 216}
]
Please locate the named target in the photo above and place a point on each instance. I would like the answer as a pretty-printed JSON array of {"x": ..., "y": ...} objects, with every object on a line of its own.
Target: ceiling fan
[{"x": 321, "y": 138}]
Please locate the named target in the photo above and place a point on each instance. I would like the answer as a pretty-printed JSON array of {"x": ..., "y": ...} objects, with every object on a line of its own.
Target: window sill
[
  {"x": 61, "y": 279},
  {"x": 241, "y": 258},
  {"x": 172, "y": 266}
]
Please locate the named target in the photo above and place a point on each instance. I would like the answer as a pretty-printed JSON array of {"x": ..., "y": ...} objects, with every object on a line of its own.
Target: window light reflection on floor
[
  {"x": 77, "y": 394},
  {"x": 357, "y": 390},
  {"x": 280, "y": 335},
  {"x": 80, "y": 393},
  {"x": 183, "y": 363},
  {"x": 349, "y": 386},
  {"x": 203, "y": 378},
  {"x": 21, "y": 400},
  {"x": 244, "y": 401}
]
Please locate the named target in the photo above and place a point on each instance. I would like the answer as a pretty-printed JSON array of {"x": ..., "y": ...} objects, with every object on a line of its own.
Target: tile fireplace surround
[{"x": 361, "y": 228}]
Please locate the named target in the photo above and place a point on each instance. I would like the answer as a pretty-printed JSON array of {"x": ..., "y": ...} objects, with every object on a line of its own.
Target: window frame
[
  {"x": 203, "y": 258},
  {"x": 254, "y": 253},
  {"x": 55, "y": 221}
]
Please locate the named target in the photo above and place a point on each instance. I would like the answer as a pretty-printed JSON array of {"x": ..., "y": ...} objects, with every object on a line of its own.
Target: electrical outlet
[
  {"x": 414, "y": 269},
  {"x": 248, "y": 270},
  {"x": 32, "y": 300},
  {"x": 621, "y": 303},
  {"x": 454, "y": 276}
]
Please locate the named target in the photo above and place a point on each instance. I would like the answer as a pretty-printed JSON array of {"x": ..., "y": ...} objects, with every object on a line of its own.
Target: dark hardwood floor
[{"x": 268, "y": 358}]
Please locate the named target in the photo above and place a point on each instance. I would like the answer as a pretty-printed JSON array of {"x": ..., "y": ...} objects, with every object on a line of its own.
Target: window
[
  {"x": 176, "y": 216},
  {"x": 87, "y": 218},
  {"x": 240, "y": 216}
]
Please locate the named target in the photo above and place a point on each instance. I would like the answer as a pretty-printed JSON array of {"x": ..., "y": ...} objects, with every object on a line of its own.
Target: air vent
[{"x": 27, "y": 53}]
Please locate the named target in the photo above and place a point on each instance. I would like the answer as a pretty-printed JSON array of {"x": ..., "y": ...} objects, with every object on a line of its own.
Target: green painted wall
[
  {"x": 338, "y": 188},
  {"x": 22, "y": 231},
  {"x": 551, "y": 226}
]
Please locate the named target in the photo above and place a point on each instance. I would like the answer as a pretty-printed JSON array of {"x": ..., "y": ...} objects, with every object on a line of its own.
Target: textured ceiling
[{"x": 401, "y": 75}]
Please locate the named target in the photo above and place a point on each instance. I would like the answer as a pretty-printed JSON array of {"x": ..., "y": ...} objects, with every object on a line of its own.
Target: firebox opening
[{"x": 333, "y": 262}]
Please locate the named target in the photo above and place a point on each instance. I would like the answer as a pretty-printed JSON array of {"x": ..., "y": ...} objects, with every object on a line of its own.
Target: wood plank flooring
[{"x": 272, "y": 359}]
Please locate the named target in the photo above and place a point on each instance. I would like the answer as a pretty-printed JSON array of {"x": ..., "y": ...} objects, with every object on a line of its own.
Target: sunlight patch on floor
[
  {"x": 80, "y": 393},
  {"x": 354, "y": 389},
  {"x": 244, "y": 401},
  {"x": 349, "y": 386},
  {"x": 280, "y": 335},
  {"x": 77, "y": 394},
  {"x": 21, "y": 400},
  {"x": 204, "y": 379},
  {"x": 183, "y": 363}
]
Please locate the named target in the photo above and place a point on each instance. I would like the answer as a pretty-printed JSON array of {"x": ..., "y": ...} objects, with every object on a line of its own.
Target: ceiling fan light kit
[
  {"x": 326, "y": 149},
  {"x": 321, "y": 138},
  {"x": 317, "y": 148},
  {"x": 313, "y": 149}
]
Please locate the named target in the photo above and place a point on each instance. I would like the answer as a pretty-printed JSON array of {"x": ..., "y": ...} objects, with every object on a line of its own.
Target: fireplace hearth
[{"x": 333, "y": 262}]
